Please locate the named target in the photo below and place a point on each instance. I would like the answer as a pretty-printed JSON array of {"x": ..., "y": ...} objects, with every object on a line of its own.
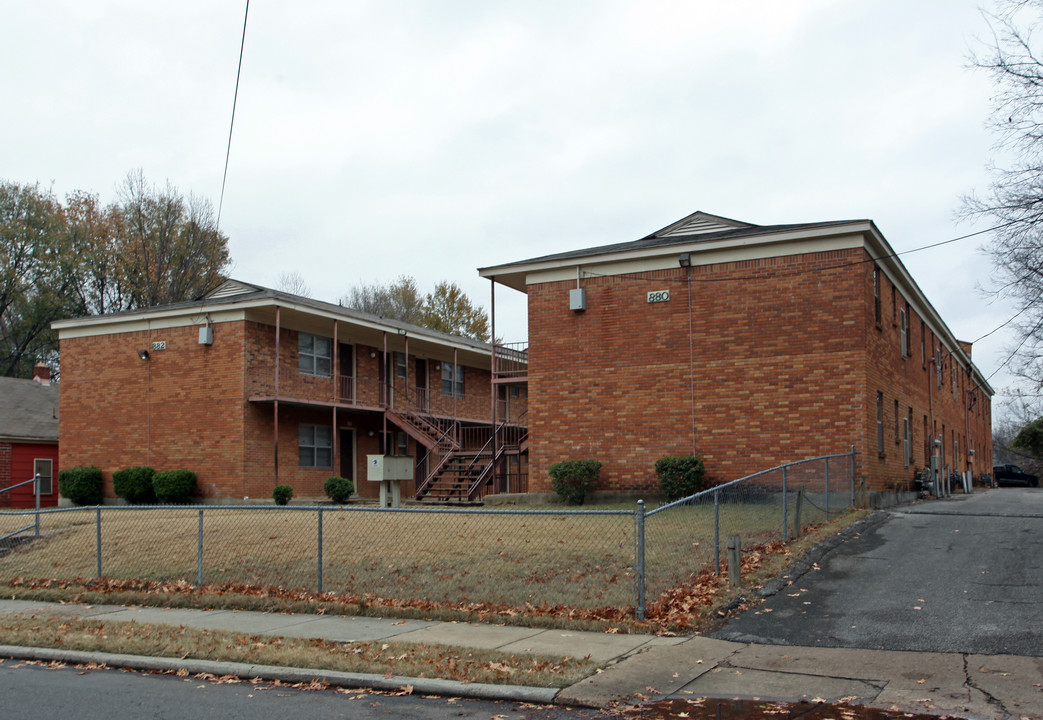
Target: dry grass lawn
[{"x": 512, "y": 557}]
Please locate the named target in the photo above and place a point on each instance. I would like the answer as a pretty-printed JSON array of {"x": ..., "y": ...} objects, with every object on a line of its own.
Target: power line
[{"x": 231, "y": 125}]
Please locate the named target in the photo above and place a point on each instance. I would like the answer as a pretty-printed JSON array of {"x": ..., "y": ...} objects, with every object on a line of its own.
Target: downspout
[
  {"x": 335, "y": 377},
  {"x": 275, "y": 446},
  {"x": 384, "y": 392},
  {"x": 691, "y": 351}
]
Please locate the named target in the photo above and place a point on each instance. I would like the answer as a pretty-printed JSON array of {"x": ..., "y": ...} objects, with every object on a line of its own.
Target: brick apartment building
[
  {"x": 28, "y": 439},
  {"x": 751, "y": 346},
  {"x": 251, "y": 387}
]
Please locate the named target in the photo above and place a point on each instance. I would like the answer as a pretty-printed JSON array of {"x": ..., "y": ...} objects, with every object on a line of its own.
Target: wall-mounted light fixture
[
  {"x": 372, "y": 353},
  {"x": 144, "y": 354},
  {"x": 685, "y": 260}
]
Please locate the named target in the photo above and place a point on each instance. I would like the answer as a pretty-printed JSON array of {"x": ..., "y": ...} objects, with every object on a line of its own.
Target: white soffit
[{"x": 622, "y": 264}]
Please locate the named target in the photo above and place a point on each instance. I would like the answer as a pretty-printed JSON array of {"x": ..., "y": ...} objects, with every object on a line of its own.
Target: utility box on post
[{"x": 389, "y": 471}]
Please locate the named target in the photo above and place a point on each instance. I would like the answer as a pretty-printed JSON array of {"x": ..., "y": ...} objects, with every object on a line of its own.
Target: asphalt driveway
[{"x": 958, "y": 575}]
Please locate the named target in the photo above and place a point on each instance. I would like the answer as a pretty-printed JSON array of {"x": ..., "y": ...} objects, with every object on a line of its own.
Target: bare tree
[
  {"x": 293, "y": 283},
  {"x": 446, "y": 308},
  {"x": 1014, "y": 201}
]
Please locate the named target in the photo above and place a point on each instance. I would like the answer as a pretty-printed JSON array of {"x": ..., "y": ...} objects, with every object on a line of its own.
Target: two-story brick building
[
  {"x": 251, "y": 387},
  {"x": 751, "y": 346}
]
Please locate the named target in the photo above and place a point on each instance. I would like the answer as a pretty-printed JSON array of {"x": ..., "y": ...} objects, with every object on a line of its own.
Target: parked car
[{"x": 1013, "y": 476}]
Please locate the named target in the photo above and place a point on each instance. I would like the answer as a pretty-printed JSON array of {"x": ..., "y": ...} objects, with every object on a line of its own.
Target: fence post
[
  {"x": 734, "y": 561},
  {"x": 852, "y": 476},
  {"x": 97, "y": 515},
  {"x": 785, "y": 509},
  {"x": 639, "y": 517},
  {"x": 320, "y": 551},
  {"x": 36, "y": 486},
  {"x": 797, "y": 511},
  {"x": 827, "y": 489},
  {"x": 199, "y": 553},
  {"x": 717, "y": 531}
]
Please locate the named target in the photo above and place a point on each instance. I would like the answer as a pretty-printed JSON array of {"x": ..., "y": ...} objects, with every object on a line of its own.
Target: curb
[
  {"x": 423, "y": 686},
  {"x": 807, "y": 561}
]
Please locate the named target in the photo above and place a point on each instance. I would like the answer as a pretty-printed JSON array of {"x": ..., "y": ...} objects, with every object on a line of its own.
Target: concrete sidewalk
[{"x": 637, "y": 666}]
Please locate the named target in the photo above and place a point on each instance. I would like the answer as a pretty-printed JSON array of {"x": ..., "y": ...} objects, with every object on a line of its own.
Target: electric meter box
[{"x": 389, "y": 467}]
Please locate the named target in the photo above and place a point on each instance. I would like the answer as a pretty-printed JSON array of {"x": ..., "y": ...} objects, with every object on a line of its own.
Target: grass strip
[{"x": 418, "y": 660}]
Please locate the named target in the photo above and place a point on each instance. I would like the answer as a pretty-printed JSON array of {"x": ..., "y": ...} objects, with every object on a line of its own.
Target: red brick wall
[
  {"x": 183, "y": 408},
  {"x": 787, "y": 363}
]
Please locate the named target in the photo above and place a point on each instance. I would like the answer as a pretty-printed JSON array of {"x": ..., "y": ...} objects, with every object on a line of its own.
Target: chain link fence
[
  {"x": 684, "y": 537},
  {"x": 576, "y": 558}
]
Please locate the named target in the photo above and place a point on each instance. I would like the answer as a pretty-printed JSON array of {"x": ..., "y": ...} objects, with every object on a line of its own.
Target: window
[
  {"x": 315, "y": 446},
  {"x": 314, "y": 354},
  {"x": 403, "y": 445},
  {"x": 926, "y": 443},
  {"x": 44, "y": 467},
  {"x": 880, "y": 423},
  {"x": 908, "y": 440},
  {"x": 897, "y": 436},
  {"x": 904, "y": 329},
  {"x": 452, "y": 380},
  {"x": 923, "y": 343},
  {"x": 400, "y": 365},
  {"x": 952, "y": 375},
  {"x": 907, "y": 331},
  {"x": 876, "y": 293},
  {"x": 894, "y": 304}
]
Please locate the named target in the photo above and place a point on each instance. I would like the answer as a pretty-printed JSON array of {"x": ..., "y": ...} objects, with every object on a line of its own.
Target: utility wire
[
  {"x": 231, "y": 125},
  {"x": 805, "y": 270}
]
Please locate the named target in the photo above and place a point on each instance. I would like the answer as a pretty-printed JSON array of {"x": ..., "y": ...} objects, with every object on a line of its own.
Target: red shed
[{"x": 29, "y": 439}]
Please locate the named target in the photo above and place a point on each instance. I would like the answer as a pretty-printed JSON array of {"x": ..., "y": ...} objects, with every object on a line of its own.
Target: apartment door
[
  {"x": 347, "y": 454},
  {"x": 421, "y": 384},
  {"x": 346, "y": 372}
]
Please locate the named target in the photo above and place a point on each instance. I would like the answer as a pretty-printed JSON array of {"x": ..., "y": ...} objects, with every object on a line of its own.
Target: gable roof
[
  {"x": 698, "y": 229},
  {"x": 236, "y": 294},
  {"x": 28, "y": 411}
]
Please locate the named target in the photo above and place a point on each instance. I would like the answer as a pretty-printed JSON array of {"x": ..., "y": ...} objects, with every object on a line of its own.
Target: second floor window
[
  {"x": 314, "y": 354},
  {"x": 452, "y": 380}
]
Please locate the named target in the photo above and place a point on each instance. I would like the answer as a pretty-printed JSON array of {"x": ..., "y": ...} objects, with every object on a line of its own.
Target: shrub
[
  {"x": 82, "y": 485},
  {"x": 135, "y": 485},
  {"x": 339, "y": 489},
  {"x": 175, "y": 486},
  {"x": 680, "y": 476},
  {"x": 281, "y": 494},
  {"x": 572, "y": 479}
]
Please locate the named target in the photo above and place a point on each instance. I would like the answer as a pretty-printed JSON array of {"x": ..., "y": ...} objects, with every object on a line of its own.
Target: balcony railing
[
  {"x": 349, "y": 390},
  {"x": 512, "y": 360}
]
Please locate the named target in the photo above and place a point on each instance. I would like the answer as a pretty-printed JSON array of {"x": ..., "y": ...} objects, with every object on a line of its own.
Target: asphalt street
[
  {"x": 48, "y": 693},
  {"x": 963, "y": 574}
]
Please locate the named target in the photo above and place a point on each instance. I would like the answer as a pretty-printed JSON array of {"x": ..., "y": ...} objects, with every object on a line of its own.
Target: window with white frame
[
  {"x": 315, "y": 446},
  {"x": 314, "y": 354},
  {"x": 44, "y": 467},
  {"x": 400, "y": 365},
  {"x": 452, "y": 380}
]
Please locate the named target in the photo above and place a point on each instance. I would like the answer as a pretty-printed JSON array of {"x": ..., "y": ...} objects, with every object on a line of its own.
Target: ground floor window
[
  {"x": 44, "y": 467},
  {"x": 315, "y": 446}
]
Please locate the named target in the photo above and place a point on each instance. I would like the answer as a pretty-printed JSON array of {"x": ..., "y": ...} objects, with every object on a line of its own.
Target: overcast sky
[{"x": 432, "y": 138}]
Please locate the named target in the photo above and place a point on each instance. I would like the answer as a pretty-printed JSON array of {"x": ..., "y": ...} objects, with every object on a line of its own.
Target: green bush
[
  {"x": 680, "y": 476},
  {"x": 135, "y": 485},
  {"x": 339, "y": 489},
  {"x": 82, "y": 485},
  {"x": 281, "y": 494},
  {"x": 572, "y": 479},
  {"x": 175, "y": 486}
]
